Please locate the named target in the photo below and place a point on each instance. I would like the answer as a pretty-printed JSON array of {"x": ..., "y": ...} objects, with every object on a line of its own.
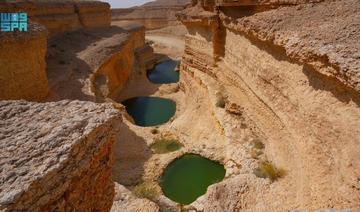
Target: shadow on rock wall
[{"x": 130, "y": 154}]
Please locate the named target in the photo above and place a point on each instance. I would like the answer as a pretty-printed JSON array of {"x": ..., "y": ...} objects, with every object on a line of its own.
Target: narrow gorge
[{"x": 202, "y": 105}]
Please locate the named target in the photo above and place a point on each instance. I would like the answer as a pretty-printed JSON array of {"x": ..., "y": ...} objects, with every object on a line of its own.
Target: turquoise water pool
[
  {"x": 164, "y": 73},
  {"x": 150, "y": 111},
  {"x": 187, "y": 178}
]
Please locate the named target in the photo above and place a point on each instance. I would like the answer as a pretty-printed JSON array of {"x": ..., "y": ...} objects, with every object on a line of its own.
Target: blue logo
[{"x": 10, "y": 22}]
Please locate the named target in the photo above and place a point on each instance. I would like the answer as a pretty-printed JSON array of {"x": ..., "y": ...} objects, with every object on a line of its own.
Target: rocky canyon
[{"x": 176, "y": 105}]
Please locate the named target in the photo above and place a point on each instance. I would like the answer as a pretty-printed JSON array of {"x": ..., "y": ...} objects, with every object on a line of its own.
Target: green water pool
[
  {"x": 164, "y": 73},
  {"x": 150, "y": 111},
  {"x": 187, "y": 178}
]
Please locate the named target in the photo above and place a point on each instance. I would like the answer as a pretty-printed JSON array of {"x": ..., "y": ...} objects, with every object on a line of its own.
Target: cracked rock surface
[{"x": 45, "y": 146}]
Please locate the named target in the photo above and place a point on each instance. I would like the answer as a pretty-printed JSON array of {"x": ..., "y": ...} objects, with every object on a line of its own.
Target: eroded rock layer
[
  {"x": 152, "y": 15},
  {"x": 22, "y": 64},
  {"x": 56, "y": 156},
  {"x": 298, "y": 84},
  {"x": 62, "y": 16},
  {"x": 97, "y": 64}
]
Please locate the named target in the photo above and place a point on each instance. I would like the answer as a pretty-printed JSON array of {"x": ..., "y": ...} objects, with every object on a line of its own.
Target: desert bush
[
  {"x": 148, "y": 190},
  {"x": 267, "y": 170}
]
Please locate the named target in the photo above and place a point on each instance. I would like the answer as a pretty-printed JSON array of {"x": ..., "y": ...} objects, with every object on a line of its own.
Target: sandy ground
[{"x": 172, "y": 46}]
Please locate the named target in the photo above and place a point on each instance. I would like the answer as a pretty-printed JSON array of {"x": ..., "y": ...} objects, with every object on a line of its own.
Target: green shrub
[
  {"x": 161, "y": 146},
  {"x": 268, "y": 170},
  {"x": 149, "y": 190}
]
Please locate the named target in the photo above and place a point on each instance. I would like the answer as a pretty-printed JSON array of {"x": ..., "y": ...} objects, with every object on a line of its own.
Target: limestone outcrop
[
  {"x": 56, "y": 156},
  {"x": 103, "y": 60},
  {"x": 299, "y": 86},
  {"x": 22, "y": 64},
  {"x": 62, "y": 16},
  {"x": 152, "y": 15},
  {"x": 124, "y": 200}
]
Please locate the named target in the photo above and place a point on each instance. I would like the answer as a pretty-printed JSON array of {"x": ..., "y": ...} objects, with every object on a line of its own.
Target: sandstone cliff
[
  {"x": 62, "y": 16},
  {"x": 152, "y": 15},
  {"x": 294, "y": 71},
  {"x": 22, "y": 64},
  {"x": 56, "y": 156},
  {"x": 97, "y": 64}
]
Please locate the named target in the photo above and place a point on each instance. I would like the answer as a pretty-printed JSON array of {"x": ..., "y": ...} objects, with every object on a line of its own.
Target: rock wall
[
  {"x": 23, "y": 73},
  {"x": 22, "y": 64},
  {"x": 62, "y": 16},
  {"x": 95, "y": 65},
  {"x": 118, "y": 68},
  {"x": 56, "y": 156},
  {"x": 299, "y": 86},
  {"x": 153, "y": 15}
]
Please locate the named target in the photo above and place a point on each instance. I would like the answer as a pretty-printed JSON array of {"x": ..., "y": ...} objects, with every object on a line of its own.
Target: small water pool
[
  {"x": 187, "y": 178},
  {"x": 150, "y": 111},
  {"x": 164, "y": 73}
]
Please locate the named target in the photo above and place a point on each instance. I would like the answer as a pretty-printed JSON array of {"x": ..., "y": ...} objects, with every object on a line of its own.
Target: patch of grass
[
  {"x": 148, "y": 190},
  {"x": 154, "y": 131},
  {"x": 162, "y": 146},
  {"x": 267, "y": 170}
]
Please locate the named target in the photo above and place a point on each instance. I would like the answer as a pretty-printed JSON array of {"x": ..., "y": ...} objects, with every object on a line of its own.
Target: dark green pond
[
  {"x": 187, "y": 178},
  {"x": 150, "y": 111},
  {"x": 164, "y": 73}
]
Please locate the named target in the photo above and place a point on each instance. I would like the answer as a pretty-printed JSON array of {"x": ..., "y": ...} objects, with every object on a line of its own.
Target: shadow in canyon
[
  {"x": 66, "y": 72},
  {"x": 130, "y": 152},
  {"x": 147, "y": 88}
]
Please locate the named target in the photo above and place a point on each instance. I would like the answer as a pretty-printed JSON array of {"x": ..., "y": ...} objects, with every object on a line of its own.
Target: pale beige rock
[
  {"x": 22, "y": 64},
  {"x": 95, "y": 65},
  {"x": 281, "y": 89},
  {"x": 60, "y": 16},
  {"x": 124, "y": 200},
  {"x": 153, "y": 15},
  {"x": 56, "y": 155}
]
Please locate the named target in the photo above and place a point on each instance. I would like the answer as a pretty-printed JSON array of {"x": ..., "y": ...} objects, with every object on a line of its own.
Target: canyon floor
[
  {"x": 269, "y": 90},
  {"x": 201, "y": 126}
]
